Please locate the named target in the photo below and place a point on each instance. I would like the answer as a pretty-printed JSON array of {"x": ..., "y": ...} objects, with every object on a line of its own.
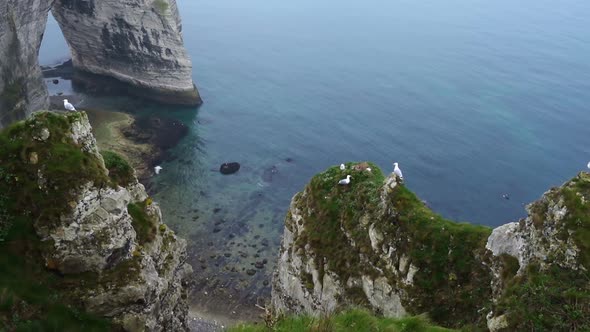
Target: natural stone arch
[{"x": 136, "y": 42}]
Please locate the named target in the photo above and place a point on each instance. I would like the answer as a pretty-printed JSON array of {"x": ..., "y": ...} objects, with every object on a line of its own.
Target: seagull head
[
  {"x": 65, "y": 100},
  {"x": 395, "y": 164},
  {"x": 349, "y": 177}
]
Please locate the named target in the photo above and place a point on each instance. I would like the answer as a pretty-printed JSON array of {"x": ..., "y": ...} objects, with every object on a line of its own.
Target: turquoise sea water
[{"x": 473, "y": 98}]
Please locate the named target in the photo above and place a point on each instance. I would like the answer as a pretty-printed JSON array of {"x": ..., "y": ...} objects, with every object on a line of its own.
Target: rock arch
[{"x": 135, "y": 43}]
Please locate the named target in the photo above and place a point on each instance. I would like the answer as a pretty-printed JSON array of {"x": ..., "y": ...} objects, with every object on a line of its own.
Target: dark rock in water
[
  {"x": 216, "y": 210},
  {"x": 264, "y": 261},
  {"x": 227, "y": 254},
  {"x": 265, "y": 282},
  {"x": 289, "y": 160},
  {"x": 250, "y": 272},
  {"x": 259, "y": 265},
  {"x": 216, "y": 230},
  {"x": 229, "y": 168},
  {"x": 60, "y": 93},
  {"x": 55, "y": 81},
  {"x": 269, "y": 173}
]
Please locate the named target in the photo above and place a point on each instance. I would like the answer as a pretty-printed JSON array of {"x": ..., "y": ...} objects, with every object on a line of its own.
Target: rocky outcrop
[
  {"x": 117, "y": 259},
  {"x": 375, "y": 244},
  {"x": 130, "y": 46},
  {"x": 138, "y": 42},
  {"x": 22, "y": 90}
]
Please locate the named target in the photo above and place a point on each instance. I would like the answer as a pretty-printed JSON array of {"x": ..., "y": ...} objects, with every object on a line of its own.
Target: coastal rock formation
[
  {"x": 97, "y": 227},
  {"x": 22, "y": 90},
  {"x": 375, "y": 244},
  {"x": 132, "y": 46},
  {"x": 137, "y": 42}
]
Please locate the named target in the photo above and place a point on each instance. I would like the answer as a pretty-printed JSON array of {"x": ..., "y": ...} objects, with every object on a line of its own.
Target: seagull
[
  {"x": 342, "y": 167},
  {"x": 157, "y": 169},
  {"x": 68, "y": 106},
  {"x": 345, "y": 181},
  {"x": 368, "y": 169},
  {"x": 588, "y": 165},
  {"x": 397, "y": 171}
]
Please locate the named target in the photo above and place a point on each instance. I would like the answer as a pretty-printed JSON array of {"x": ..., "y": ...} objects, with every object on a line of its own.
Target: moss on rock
[{"x": 120, "y": 172}]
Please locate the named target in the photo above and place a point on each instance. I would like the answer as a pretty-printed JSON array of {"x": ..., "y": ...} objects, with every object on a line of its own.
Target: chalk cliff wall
[
  {"x": 374, "y": 244},
  {"x": 22, "y": 90},
  {"x": 83, "y": 228},
  {"x": 135, "y": 41},
  {"x": 135, "y": 45}
]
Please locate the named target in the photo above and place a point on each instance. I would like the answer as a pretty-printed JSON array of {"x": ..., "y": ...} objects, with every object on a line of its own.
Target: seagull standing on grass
[
  {"x": 345, "y": 181},
  {"x": 397, "y": 171},
  {"x": 157, "y": 169},
  {"x": 68, "y": 106},
  {"x": 342, "y": 167}
]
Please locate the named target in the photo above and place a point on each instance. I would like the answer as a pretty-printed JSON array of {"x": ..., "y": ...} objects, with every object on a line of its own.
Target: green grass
[
  {"x": 452, "y": 284},
  {"x": 145, "y": 225},
  {"x": 356, "y": 320},
  {"x": 161, "y": 5},
  {"x": 551, "y": 300},
  {"x": 120, "y": 172}
]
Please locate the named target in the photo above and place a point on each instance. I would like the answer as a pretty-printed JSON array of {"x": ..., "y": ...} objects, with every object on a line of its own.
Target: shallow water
[{"x": 473, "y": 98}]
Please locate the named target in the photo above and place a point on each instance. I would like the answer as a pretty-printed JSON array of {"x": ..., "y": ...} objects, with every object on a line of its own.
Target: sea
[{"x": 484, "y": 104}]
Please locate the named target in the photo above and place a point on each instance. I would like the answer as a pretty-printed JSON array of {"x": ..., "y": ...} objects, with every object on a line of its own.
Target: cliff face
[
  {"x": 22, "y": 90},
  {"x": 93, "y": 225},
  {"x": 374, "y": 244},
  {"x": 137, "y": 42},
  {"x": 134, "y": 45}
]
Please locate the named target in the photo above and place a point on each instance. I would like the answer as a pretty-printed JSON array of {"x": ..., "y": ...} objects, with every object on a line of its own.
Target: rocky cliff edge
[
  {"x": 374, "y": 244},
  {"x": 82, "y": 243}
]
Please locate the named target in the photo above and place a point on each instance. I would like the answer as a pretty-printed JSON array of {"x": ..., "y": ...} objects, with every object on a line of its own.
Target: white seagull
[
  {"x": 345, "y": 181},
  {"x": 68, "y": 106},
  {"x": 342, "y": 167},
  {"x": 397, "y": 171},
  {"x": 588, "y": 165},
  {"x": 157, "y": 169}
]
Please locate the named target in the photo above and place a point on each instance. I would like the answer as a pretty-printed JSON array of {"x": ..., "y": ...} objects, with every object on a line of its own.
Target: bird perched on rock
[
  {"x": 157, "y": 169},
  {"x": 345, "y": 181},
  {"x": 397, "y": 171},
  {"x": 342, "y": 167},
  {"x": 68, "y": 106}
]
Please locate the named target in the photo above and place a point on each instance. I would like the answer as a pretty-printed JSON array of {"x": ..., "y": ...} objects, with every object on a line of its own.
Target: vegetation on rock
[
  {"x": 144, "y": 224},
  {"x": 120, "y": 172},
  {"x": 348, "y": 321},
  {"x": 452, "y": 281},
  {"x": 42, "y": 172},
  {"x": 28, "y": 297}
]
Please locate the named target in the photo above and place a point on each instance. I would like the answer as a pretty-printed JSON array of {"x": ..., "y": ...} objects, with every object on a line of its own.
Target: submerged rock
[{"x": 229, "y": 168}]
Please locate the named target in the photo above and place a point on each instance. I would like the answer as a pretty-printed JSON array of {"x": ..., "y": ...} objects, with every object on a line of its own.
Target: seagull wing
[
  {"x": 69, "y": 107},
  {"x": 398, "y": 172}
]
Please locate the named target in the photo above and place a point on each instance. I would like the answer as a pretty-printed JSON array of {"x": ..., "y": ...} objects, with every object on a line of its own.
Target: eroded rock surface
[
  {"x": 22, "y": 90},
  {"x": 136, "y": 44},
  {"x": 375, "y": 244},
  {"x": 116, "y": 258}
]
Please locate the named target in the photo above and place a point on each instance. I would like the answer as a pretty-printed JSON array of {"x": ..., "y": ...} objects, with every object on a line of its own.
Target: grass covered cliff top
[{"x": 451, "y": 280}]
